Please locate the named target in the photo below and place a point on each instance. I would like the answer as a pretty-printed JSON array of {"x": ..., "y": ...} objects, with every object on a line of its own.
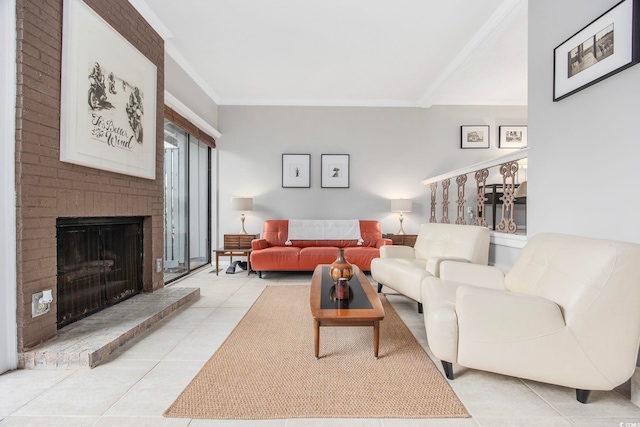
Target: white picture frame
[
  {"x": 334, "y": 171},
  {"x": 105, "y": 123}
]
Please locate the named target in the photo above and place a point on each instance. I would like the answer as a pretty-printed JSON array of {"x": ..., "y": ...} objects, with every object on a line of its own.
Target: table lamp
[
  {"x": 401, "y": 206},
  {"x": 242, "y": 204}
]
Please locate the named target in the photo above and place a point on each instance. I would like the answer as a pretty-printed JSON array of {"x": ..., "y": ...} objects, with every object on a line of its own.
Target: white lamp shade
[
  {"x": 401, "y": 205},
  {"x": 242, "y": 204}
]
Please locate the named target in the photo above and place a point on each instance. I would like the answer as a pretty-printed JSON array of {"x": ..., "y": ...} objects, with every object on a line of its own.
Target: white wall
[
  {"x": 585, "y": 151},
  {"x": 181, "y": 85},
  {"x": 8, "y": 301},
  {"x": 391, "y": 151}
]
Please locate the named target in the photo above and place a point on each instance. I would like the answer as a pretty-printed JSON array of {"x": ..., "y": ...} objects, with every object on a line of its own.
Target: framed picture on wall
[
  {"x": 295, "y": 171},
  {"x": 474, "y": 136},
  {"x": 108, "y": 99},
  {"x": 512, "y": 137},
  {"x": 601, "y": 49},
  {"x": 334, "y": 171}
]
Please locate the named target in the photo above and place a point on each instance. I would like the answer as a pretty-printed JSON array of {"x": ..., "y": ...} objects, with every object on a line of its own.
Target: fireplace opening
[{"x": 99, "y": 264}]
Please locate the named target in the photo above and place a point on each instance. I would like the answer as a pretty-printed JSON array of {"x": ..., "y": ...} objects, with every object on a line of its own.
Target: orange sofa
[{"x": 270, "y": 253}]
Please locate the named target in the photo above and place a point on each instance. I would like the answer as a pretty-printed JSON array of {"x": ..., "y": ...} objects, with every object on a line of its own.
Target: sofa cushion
[
  {"x": 276, "y": 257},
  {"x": 310, "y": 257},
  {"x": 361, "y": 256},
  {"x": 276, "y": 232}
]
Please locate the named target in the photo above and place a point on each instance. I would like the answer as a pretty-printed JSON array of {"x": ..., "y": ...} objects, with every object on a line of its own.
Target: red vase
[{"x": 340, "y": 268}]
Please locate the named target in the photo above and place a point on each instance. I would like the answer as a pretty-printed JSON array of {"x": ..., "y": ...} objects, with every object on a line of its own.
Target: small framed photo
[
  {"x": 512, "y": 137},
  {"x": 335, "y": 171},
  {"x": 295, "y": 171},
  {"x": 601, "y": 49},
  {"x": 474, "y": 136}
]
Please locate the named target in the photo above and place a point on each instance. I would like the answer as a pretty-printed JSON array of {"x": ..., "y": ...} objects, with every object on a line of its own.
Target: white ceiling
[{"x": 404, "y": 53}]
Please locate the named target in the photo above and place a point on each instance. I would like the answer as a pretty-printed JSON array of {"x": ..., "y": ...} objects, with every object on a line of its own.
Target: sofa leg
[
  {"x": 379, "y": 287},
  {"x": 259, "y": 274},
  {"x": 420, "y": 308},
  {"x": 448, "y": 369},
  {"x": 582, "y": 395}
]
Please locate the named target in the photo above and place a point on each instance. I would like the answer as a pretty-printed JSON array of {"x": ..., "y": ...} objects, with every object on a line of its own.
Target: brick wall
[{"x": 47, "y": 188}]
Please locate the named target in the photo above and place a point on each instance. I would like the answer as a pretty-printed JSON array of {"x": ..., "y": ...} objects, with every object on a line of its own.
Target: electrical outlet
[
  {"x": 38, "y": 308},
  {"x": 158, "y": 265}
]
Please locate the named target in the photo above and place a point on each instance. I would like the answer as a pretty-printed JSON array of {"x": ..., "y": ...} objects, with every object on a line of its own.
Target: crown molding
[
  {"x": 320, "y": 102},
  {"x": 186, "y": 66},
  {"x": 156, "y": 23},
  {"x": 489, "y": 27}
]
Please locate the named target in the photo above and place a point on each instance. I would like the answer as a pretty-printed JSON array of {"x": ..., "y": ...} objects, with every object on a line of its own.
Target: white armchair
[
  {"x": 567, "y": 313},
  {"x": 403, "y": 268}
]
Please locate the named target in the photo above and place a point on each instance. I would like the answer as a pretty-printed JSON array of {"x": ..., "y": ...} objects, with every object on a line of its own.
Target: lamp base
[
  {"x": 401, "y": 230},
  {"x": 243, "y": 231}
]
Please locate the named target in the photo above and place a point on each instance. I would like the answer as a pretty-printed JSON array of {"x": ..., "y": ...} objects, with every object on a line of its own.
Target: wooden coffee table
[{"x": 362, "y": 309}]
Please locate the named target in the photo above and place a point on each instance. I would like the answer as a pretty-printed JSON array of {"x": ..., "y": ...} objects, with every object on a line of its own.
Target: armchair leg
[
  {"x": 260, "y": 274},
  {"x": 582, "y": 395},
  {"x": 379, "y": 287},
  {"x": 420, "y": 308},
  {"x": 448, "y": 369}
]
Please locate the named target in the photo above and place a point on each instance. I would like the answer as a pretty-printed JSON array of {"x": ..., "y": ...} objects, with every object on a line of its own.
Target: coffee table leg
[
  {"x": 376, "y": 337},
  {"x": 316, "y": 338}
]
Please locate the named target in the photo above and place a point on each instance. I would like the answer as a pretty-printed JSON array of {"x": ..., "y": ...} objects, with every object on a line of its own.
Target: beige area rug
[{"x": 266, "y": 369}]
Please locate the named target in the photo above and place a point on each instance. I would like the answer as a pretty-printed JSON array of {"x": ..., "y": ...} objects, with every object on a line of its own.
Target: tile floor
[{"x": 145, "y": 377}]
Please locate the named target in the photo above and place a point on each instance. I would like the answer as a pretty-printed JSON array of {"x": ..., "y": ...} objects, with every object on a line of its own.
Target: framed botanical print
[
  {"x": 334, "y": 171},
  {"x": 295, "y": 171}
]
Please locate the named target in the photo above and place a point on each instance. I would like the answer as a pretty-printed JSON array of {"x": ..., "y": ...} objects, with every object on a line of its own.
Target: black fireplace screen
[{"x": 99, "y": 264}]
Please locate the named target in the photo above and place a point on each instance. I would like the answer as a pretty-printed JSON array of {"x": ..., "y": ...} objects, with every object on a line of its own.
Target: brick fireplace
[
  {"x": 48, "y": 189},
  {"x": 99, "y": 264}
]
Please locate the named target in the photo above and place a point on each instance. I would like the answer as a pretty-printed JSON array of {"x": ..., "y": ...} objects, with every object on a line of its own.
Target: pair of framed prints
[
  {"x": 296, "y": 171},
  {"x": 478, "y": 136}
]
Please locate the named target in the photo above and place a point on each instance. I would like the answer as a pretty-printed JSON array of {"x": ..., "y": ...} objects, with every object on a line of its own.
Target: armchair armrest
[
  {"x": 397, "y": 251},
  {"x": 433, "y": 264},
  {"x": 383, "y": 242},
  {"x": 485, "y": 276},
  {"x": 494, "y": 316},
  {"x": 259, "y": 244}
]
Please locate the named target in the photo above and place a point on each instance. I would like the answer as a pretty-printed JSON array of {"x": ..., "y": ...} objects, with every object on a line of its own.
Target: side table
[
  {"x": 230, "y": 252},
  {"x": 402, "y": 239},
  {"x": 236, "y": 245}
]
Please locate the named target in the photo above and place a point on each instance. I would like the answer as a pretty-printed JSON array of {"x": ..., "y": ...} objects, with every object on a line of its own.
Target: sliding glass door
[
  {"x": 186, "y": 195},
  {"x": 199, "y": 212}
]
